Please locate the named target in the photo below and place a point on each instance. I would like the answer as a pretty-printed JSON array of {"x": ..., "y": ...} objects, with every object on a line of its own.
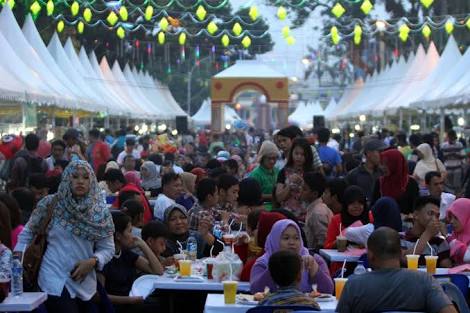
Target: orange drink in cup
[
  {"x": 339, "y": 286},
  {"x": 230, "y": 291},
  {"x": 431, "y": 263},
  {"x": 185, "y": 267},
  {"x": 412, "y": 261},
  {"x": 178, "y": 257},
  {"x": 229, "y": 239}
]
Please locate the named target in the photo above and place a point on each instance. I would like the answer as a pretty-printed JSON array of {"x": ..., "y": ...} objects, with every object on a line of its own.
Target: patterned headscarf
[{"x": 87, "y": 217}]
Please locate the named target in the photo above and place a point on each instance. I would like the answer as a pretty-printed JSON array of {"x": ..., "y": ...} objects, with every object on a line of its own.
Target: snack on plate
[
  {"x": 259, "y": 296},
  {"x": 314, "y": 294}
]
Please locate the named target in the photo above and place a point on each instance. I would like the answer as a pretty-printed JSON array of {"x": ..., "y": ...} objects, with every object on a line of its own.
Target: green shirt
[{"x": 267, "y": 179}]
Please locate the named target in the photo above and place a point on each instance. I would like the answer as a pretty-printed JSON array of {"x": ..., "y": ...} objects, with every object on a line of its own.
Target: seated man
[
  {"x": 286, "y": 270},
  {"x": 389, "y": 287},
  {"x": 435, "y": 184},
  {"x": 172, "y": 188}
]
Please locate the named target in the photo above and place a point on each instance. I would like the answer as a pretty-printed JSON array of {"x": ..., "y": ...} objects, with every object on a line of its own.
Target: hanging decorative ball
[
  {"x": 285, "y": 31},
  {"x": 50, "y": 7},
  {"x": 357, "y": 34},
  {"x": 75, "y": 8},
  {"x": 335, "y": 37},
  {"x": 87, "y": 15},
  {"x": 120, "y": 32},
  {"x": 253, "y": 12},
  {"x": 225, "y": 40},
  {"x": 366, "y": 7},
  {"x": 212, "y": 28},
  {"x": 123, "y": 13},
  {"x": 35, "y": 8},
  {"x": 449, "y": 27},
  {"x": 338, "y": 10},
  {"x": 281, "y": 13},
  {"x": 112, "y": 18},
  {"x": 403, "y": 32},
  {"x": 246, "y": 42},
  {"x": 426, "y": 31},
  {"x": 201, "y": 13},
  {"x": 182, "y": 39},
  {"x": 148, "y": 13},
  {"x": 60, "y": 26},
  {"x": 427, "y": 3},
  {"x": 161, "y": 38},
  {"x": 80, "y": 27},
  {"x": 237, "y": 29},
  {"x": 163, "y": 24}
]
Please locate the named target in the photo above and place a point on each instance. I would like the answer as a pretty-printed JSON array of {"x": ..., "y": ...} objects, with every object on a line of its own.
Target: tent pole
[
  {"x": 400, "y": 121},
  {"x": 423, "y": 121},
  {"x": 442, "y": 123}
]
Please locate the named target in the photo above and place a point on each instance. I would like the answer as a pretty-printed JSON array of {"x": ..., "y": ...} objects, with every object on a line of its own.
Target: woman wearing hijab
[
  {"x": 79, "y": 239},
  {"x": 396, "y": 183},
  {"x": 459, "y": 216},
  {"x": 176, "y": 218},
  {"x": 285, "y": 235},
  {"x": 385, "y": 212},
  {"x": 132, "y": 177},
  {"x": 151, "y": 180},
  {"x": 102, "y": 183},
  {"x": 427, "y": 163},
  {"x": 354, "y": 212},
  {"x": 189, "y": 185}
]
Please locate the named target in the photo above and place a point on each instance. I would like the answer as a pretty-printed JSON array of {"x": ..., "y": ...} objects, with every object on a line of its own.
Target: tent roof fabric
[
  {"x": 203, "y": 115},
  {"x": 249, "y": 69}
]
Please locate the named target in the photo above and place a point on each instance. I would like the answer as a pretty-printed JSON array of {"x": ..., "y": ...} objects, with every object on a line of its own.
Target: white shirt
[
  {"x": 359, "y": 234},
  {"x": 161, "y": 204},
  {"x": 446, "y": 201},
  {"x": 332, "y": 143},
  {"x": 120, "y": 159},
  {"x": 177, "y": 169}
]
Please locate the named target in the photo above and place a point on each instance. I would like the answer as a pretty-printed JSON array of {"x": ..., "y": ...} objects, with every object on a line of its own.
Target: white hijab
[{"x": 428, "y": 163}]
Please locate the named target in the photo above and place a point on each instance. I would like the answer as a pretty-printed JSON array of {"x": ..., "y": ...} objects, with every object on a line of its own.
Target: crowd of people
[{"x": 117, "y": 206}]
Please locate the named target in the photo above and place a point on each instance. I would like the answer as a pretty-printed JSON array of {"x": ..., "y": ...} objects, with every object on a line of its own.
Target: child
[
  {"x": 459, "y": 216},
  {"x": 208, "y": 196},
  {"x": 155, "y": 234},
  {"x": 135, "y": 210},
  {"x": 285, "y": 267},
  {"x": 119, "y": 274}
]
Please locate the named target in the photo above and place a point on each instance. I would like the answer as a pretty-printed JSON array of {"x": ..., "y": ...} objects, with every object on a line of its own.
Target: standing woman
[
  {"x": 79, "y": 239},
  {"x": 427, "y": 163}
]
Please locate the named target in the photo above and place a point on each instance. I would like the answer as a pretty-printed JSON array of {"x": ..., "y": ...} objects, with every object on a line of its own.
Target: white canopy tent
[
  {"x": 346, "y": 100},
  {"x": 203, "y": 115}
]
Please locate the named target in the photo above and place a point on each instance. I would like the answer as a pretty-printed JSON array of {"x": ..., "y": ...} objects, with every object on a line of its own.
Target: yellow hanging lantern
[
  {"x": 338, "y": 10},
  {"x": 80, "y": 27},
  {"x": 50, "y": 7},
  {"x": 112, "y": 18},
  {"x": 225, "y": 40},
  {"x": 212, "y": 28},
  {"x": 426, "y": 31},
  {"x": 87, "y": 15},
  {"x": 201, "y": 13},
  {"x": 11, "y": 3},
  {"x": 35, "y": 8},
  {"x": 427, "y": 3},
  {"x": 290, "y": 40},
  {"x": 403, "y": 32},
  {"x": 60, "y": 26},
  {"x": 449, "y": 27},
  {"x": 468, "y": 24},
  {"x": 148, "y": 13},
  {"x": 246, "y": 42},
  {"x": 335, "y": 37},
  {"x": 164, "y": 24},
  {"x": 253, "y": 12},
  {"x": 120, "y": 32},
  {"x": 357, "y": 34},
  {"x": 281, "y": 13},
  {"x": 182, "y": 38},
  {"x": 74, "y": 8},
  {"x": 285, "y": 31},
  {"x": 161, "y": 38},
  {"x": 237, "y": 29},
  {"x": 366, "y": 7},
  {"x": 123, "y": 13}
]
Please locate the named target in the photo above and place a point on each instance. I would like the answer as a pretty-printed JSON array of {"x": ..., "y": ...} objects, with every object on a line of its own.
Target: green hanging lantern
[
  {"x": 335, "y": 37},
  {"x": 80, "y": 27},
  {"x": 75, "y": 8},
  {"x": 366, "y": 7},
  {"x": 161, "y": 38},
  {"x": 50, "y": 7},
  {"x": 468, "y": 24},
  {"x": 290, "y": 41},
  {"x": 163, "y": 24},
  {"x": 35, "y": 8},
  {"x": 426, "y": 31},
  {"x": 148, "y": 13},
  {"x": 112, "y": 18},
  {"x": 225, "y": 40},
  {"x": 253, "y": 13},
  {"x": 246, "y": 42},
  {"x": 123, "y": 13},
  {"x": 285, "y": 31},
  {"x": 237, "y": 29},
  {"x": 201, "y": 13},
  {"x": 87, "y": 15},
  {"x": 212, "y": 28},
  {"x": 60, "y": 26},
  {"x": 338, "y": 10},
  {"x": 281, "y": 13},
  {"x": 427, "y": 3},
  {"x": 120, "y": 32},
  {"x": 403, "y": 32},
  {"x": 182, "y": 39},
  {"x": 449, "y": 27},
  {"x": 357, "y": 34}
]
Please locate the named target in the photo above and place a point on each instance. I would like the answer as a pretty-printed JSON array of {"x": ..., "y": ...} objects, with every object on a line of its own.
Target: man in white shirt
[
  {"x": 172, "y": 188},
  {"x": 435, "y": 184},
  {"x": 129, "y": 149}
]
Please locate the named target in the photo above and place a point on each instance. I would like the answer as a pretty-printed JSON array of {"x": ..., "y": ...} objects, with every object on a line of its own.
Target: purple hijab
[{"x": 260, "y": 276}]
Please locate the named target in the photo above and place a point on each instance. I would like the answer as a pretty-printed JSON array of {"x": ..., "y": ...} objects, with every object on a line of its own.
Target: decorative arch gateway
[{"x": 248, "y": 75}]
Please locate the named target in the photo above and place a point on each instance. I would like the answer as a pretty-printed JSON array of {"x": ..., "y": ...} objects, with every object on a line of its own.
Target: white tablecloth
[
  {"x": 333, "y": 255},
  {"x": 27, "y": 302},
  {"x": 215, "y": 304},
  {"x": 146, "y": 284}
]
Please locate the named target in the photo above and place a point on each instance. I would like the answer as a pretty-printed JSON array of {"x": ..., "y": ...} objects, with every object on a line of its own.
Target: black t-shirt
[
  {"x": 120, "y": 273},
  {"x": 407, "y": 199}
]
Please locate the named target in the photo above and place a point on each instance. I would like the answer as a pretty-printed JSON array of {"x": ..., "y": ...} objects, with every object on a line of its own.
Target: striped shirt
[
  {"x": 453, "y": 155},
  {"x": 289, "y": 296}
]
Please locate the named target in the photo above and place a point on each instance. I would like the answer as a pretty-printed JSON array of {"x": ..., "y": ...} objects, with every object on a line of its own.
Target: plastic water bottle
[
  {"x": 192, "y": 248},
  {"x": 360, "y": 269},
  {"x": 16, "y": 277}
]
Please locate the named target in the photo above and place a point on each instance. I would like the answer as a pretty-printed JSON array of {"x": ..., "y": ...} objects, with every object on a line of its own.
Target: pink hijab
[
  {"x": 460, "y": 208},
  {"x": 132, "y": 177}
]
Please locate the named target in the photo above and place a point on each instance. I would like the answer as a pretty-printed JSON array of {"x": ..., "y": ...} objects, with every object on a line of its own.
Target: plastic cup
[
  {"x": 209, "y": 267},
  {"x": 341, "y": 243},
  {"x": 185, "y": 267},
  {"x": 412, "y": 261},
  {"x": 178, "y": 257},
  {"x": 431, "y": 263},
  {"x": 229, "y": 239},
  {"x": 230, "y": 291},
  {"x": 339, "y": 286}
]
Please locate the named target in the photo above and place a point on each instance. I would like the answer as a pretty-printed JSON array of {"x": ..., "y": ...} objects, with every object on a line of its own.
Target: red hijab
[
  {"x": 265, "y": 223},
  {"x": 394, "y": 184}
]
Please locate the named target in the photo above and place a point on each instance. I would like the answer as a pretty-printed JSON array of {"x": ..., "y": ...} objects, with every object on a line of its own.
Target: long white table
[
  {"x": 215, "y": 304},
  {"x": 27, "y": 302},
  {"x": 333, "y": 255}
]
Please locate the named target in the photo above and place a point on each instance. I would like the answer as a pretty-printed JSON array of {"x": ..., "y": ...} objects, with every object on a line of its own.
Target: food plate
[
  {"x": 324, "y": 297},
  {"x": 246, "y": 300},
  {"x": 189, "y": 279}
]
